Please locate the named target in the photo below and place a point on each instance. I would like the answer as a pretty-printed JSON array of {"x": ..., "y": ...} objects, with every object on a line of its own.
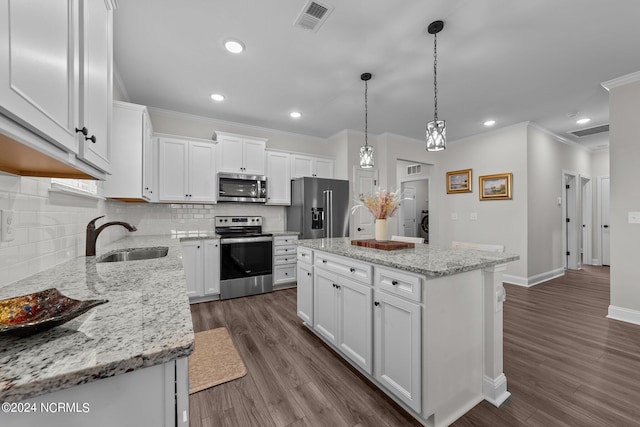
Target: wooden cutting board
[{"x": 385, "y": 245}]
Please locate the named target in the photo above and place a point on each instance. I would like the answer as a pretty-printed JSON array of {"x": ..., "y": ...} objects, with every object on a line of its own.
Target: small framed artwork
[
  {"x": 459, "y": 181},
  {"x": 496, "y": 187}
]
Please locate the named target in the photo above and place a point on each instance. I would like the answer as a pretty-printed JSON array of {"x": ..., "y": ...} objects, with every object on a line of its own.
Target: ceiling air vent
[
  {"x": 313, "y": 15},
  {"x": 414, "y": 170},
  {"x": 590, "y": 131}
]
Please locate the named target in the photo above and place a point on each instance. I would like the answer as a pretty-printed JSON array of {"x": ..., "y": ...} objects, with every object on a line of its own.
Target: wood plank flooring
[{"x": 566, "y": 365}]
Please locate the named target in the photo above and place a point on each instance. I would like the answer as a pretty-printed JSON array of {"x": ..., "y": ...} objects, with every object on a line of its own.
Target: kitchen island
[
  {"x": 424, "y": 324},
  {"x": 122, "y": 363}
]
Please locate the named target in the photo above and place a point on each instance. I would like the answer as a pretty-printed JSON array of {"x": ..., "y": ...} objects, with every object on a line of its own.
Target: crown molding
[
  {"x": 559, "y": 138},
  {"x": 621, "y": 81},
  {"x": 218, "y": 122}
]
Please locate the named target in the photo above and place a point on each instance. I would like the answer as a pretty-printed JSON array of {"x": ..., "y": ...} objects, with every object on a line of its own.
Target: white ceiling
[{"x": 512, "y": 61}]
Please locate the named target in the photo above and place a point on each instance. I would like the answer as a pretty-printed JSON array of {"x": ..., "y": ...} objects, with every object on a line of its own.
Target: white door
[
  {"x": 95, "y": 83},
  {"x": 354, "y": 322},
  {"x": 585, "y": 199},
  {"x": 325, "y": 305},
  {"x": 147, "y": 157},
  {"x": 254, "y": 157},
  {"x": 324, "y": 168},
  {"x": 211, "y": 266},
  {"x": 192, "y": 260},
  {"x": 202, "y": 173},
  {"x": 605, "y": 220},
  {"x": 363, "y": 222},
  {"x": 571, "y": 223},
  {"x": 397, "y": 337},
  {"x": 278, "y": 178},
  {"x": 409, "y": 224},
  {"x": 305, "y": 292},
  {"x": 173, "y": 155},
  {"x": 38, "y": 84}
]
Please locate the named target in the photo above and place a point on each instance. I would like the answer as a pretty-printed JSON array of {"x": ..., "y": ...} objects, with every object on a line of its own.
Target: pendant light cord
[
  {"x": 435, "y": 77},
  {"x": 366, "y": 113}
]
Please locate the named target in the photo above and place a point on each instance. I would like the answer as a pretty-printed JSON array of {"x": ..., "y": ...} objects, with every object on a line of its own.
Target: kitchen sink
[{"x": 134, "y": 254}]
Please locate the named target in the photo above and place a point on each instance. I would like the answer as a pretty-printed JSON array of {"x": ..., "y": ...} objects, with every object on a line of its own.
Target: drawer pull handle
[
  {"x": 352, "y": 270},
  {"x": 394, "y": 282},
  {"x": 376, "y": 303},
  {"x": 334, "y": 285},
  {"x": 324, "y": 261},
  {"x": 308, "y": 274}
]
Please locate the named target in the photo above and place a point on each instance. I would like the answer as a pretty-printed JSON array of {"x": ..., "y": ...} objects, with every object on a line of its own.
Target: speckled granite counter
[
  {"x": 284, "y": 233},
  {"x": 146, "y": 322},
  {"x": 422, "y": 259}
]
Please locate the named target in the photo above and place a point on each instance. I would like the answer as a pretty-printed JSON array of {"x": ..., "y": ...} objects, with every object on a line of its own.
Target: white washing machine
[{"x": 424, "y": 226}]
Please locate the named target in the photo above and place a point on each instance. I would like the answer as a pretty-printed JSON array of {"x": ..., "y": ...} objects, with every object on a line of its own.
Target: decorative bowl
[{"x": 25, "y": 315}]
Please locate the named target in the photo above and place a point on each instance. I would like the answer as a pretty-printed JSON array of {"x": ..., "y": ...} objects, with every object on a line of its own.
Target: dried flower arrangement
[{"x": 382, "y": 205}]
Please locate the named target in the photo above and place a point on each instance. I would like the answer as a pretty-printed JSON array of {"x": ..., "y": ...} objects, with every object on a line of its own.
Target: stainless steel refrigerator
[{"x": 319, "y": 208}]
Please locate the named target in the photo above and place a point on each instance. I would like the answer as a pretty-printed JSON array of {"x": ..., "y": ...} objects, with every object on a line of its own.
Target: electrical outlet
[
  {"x": 454, "y": 216},
  {"x": 634, "y": 217},
  {"x": 8, "y": 225},
  {"x": 473, "y": 216}
]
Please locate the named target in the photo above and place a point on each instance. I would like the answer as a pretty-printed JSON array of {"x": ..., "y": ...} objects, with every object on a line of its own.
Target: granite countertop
[
  {"x": 284, "y": 233},
  {"x": 422, "y": 259},
  {"x": 146, "y": 322}
]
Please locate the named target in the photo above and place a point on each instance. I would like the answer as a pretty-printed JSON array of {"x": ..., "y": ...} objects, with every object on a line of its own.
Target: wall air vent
[
  {"x": 313, "y": 15},
  {"x": 414, "y": 170},
  {"x": 590, "y": 131}
]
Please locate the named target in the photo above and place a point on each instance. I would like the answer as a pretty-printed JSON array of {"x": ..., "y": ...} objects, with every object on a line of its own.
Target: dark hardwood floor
[{"x": 566, "y": 365}]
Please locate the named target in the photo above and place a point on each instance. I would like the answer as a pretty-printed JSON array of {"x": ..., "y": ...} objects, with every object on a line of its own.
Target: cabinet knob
[
  {"x": 286, "y": 274},
  {"x": 360, "y": 229},
  {"x": 352, "y": 270},
  {"x": 91, "y": 138},
  {"x": 308, "y": 274},
  {"x": 198, "y": 247},
  {"x": 84, "y": 131},
  {"x": 394, "y": 282},
  {"x": 376, "y": 303},
  {"x": 324, "y": 261}
]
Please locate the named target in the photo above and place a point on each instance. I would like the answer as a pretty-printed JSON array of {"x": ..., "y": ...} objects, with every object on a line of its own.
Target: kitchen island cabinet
[
  {"x": 424, "y": 324},
  {"x": 126, "y": 359}
]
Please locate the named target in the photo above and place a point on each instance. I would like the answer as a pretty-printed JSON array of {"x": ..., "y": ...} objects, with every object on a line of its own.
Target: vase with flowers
[{"x": 382, "y": 205}]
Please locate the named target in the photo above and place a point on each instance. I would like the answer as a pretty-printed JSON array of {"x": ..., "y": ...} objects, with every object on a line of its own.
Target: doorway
[
  {"x": 570, "y": 221},
  {"x": 414, "y": 210},
  {"x": 364, "y": 183},
  {"x": 587, "y": 229}
]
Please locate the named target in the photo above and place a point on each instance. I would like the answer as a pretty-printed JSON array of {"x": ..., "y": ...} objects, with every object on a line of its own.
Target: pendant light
[
  {"x": 366, "y": 151},
  {"x": 436, "y": 130}
]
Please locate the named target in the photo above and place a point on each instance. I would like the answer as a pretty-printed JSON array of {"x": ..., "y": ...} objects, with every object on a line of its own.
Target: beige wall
[{"x": 624, "y": 151}]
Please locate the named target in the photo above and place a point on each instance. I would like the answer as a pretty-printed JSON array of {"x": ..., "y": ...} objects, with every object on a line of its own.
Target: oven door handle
[{"x": 246, "y": 240}]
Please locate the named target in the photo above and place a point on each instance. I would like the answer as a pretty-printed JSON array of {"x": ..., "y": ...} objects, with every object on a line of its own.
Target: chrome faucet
[{"x": 93, "y": 232}]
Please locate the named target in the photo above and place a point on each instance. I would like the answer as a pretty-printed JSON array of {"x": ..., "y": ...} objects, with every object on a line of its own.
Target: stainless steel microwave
[{"x": 235, "y": 187}]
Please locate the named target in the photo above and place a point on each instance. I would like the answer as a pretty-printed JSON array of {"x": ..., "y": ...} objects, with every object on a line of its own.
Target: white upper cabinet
[
  {"x": 278, "y": 178},
  {"x": 132, "y": 156},
  {"x": 55, "y": 73},
  {"x": 302, "y": 165},
  {"x": 96, "y": 83},
  {"x": 241, "y": 154},
  {"x": 186, "y": 170},
  {"x": 38, "y": 77}
]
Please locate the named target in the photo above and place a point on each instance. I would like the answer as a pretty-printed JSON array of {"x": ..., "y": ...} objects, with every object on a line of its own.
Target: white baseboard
[
  {"x": 495, "y": 390},
  {"x": 533, "y": 280},
  {"x": 595, "y": 261},
  {"x": 624, "y": 314}
]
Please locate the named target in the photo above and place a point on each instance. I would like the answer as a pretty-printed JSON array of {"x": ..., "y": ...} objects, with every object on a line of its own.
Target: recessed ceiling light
[
  {"x": 489, "y": 123},
  {"x": 234, "y": 46},
  {"x": 295, "y": 114},
  {"x": 583, "y": 121},
  {"x": 217, "y": 97}
]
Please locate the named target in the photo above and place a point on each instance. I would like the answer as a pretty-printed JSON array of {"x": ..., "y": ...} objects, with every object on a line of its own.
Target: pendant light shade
[
  {"x": 366, "y": 151},
  {"x": 436, "y": 130}
]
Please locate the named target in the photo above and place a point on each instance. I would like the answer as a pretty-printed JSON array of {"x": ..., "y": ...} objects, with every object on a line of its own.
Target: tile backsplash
[{"x": 50, "y": 226}]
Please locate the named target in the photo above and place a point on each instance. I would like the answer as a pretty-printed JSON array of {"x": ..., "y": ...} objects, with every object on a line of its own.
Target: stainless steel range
[{"x": 246, "y": 261}]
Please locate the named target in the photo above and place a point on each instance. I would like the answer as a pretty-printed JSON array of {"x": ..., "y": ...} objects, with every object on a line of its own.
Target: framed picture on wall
[
  {"x": 459, "y": 181},
  {"x": 496, "y": 187}
]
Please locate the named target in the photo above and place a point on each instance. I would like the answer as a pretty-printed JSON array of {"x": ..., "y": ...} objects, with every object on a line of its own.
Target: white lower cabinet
[
  {"x": 342, "y": 315},
  {"x": 304, "y": 274},
  {"x": 201, "y": 260},
  {"x": 397, "y": 350},
  {"x": 370, "y": 314},
  {"x": 284, "y": 260}
]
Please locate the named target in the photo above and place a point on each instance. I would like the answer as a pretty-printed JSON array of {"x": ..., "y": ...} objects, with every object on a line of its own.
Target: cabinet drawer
[
  {"x": 284, "y": 259},
  {"x": 347, "y": 267},
  {"x": 284, "y": 250},
  {"x": 305, "y": 255},
  {"x": 284, "y": 273},
  {"x": 399, "y": 283},
  {"x": 284, "y": 240}
]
